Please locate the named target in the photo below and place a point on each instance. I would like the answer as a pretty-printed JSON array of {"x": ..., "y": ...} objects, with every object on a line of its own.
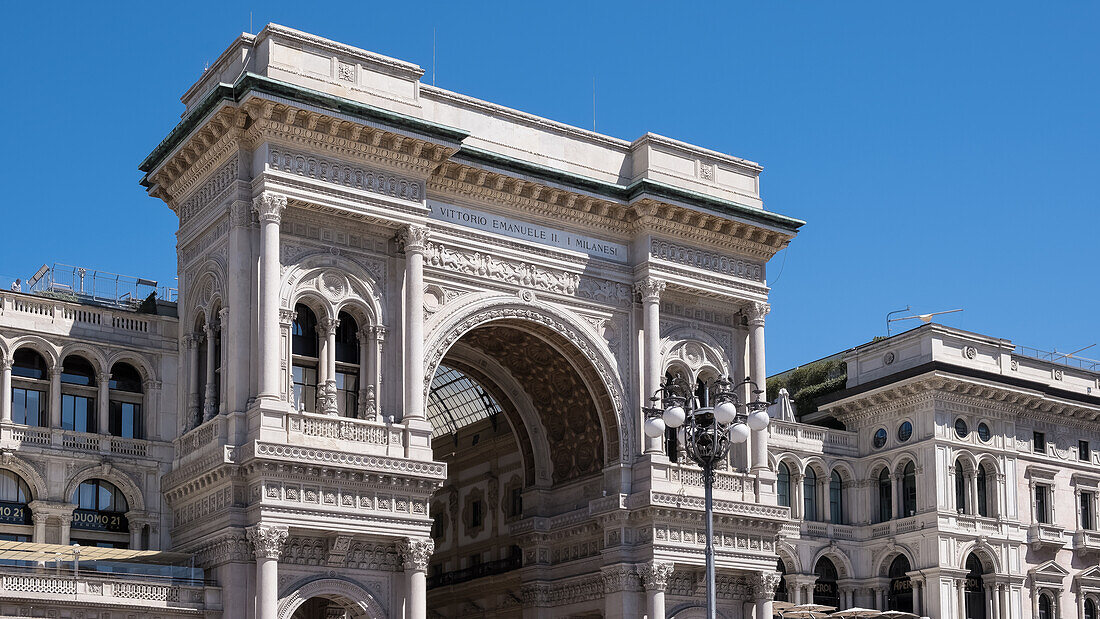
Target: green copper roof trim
[
  {"x": 626, "y": 193},
  {"x": 259, "y": 83}
]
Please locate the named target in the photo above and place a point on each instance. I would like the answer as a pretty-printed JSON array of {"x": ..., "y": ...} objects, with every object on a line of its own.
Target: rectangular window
[
  {"x": 28, "y": 406},
  {"x": 517, "y": 502},
  {"x": 1083, "y": 451},
  {"x": 475, "y": 515},
  {"x": 305, "y": 388},
  {"x": 125, "y": 420},
  {"x": 1039, "y": 442},
  {"x": 1042, "y": 504},
  {"x": 347, "y": 393},
  {"x": 1087, "y": 519},
  {"x": 77, "y": 413}
]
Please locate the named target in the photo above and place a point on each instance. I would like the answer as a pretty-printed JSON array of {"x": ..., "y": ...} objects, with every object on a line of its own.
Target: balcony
[
  {"x": 813, "y": 439},
  {"x": 1042, "y": 535},
  {"x": 492, "y": 568},
  {"x": 54, "y": 439},
  {"x": 1086, "y": 542},
  {"x": 63, "y": 317},
  {"x": 828, "y": 530}
]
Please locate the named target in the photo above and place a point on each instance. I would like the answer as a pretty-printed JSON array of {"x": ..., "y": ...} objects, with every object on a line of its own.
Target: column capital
[
  {"x": 655, "y": 574},
  {"x": 415, "y": 552},
  {"x": 287, "y": 316},
  {"x": 414, "y": 238},
  {"x": 6, "y": 364},
  {"x": 649, "y": 289},
  {"x": 269, "y": 207},
  {"x": 104, "y": 379},
  {"x": 327, "y": 326},
  {"x": 267, "y": 540},
  {"x": 763, "y": 584},
  {"x": 55, "y": 370},
  {"x": 756, "y": 312}
]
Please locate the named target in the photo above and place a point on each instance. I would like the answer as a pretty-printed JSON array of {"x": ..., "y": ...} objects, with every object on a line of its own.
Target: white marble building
[{"x": 963, "y": 482}]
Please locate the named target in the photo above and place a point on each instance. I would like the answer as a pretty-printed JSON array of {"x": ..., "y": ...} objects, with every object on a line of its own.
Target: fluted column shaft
[
  {"x": 5, "y": 390},
  {"x": 415, "y": 239},
  {"x": 756, "y": 314},
  {"x": 269, "y": 209},
  {"x": 650, "y": 291}
]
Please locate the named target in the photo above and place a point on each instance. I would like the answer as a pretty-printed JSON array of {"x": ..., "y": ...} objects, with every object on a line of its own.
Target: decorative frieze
[
  {"x": 710, "y": 261},
  {"x": 213, "y": 187},
  {"x": 514, "y": 272},
  {"x": 346, "y": 175}
]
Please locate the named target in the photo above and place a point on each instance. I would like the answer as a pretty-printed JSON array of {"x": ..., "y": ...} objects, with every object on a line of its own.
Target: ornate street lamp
[{"x": 707, "y": 428}]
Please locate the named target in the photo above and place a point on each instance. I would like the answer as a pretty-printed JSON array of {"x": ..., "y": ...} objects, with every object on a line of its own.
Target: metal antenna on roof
[
  {"x": 888, "y": 321},
  {"x": 593, "y": 102},
  {"x": 925, "y": 318},
  {"x": 433, "y": 56},
  {"x": 250, "y": 23}
]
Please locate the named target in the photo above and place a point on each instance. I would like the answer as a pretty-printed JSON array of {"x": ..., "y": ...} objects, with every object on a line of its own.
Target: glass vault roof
[{"x": 456, "y": 401}]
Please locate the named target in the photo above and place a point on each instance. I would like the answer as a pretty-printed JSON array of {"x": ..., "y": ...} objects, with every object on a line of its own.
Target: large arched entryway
[
  {"x": 900, "y": 596},
  {"x": 975, "y": 588},
  {"x": 523, "y": 421},
  {"x": 825, "y": 588}
]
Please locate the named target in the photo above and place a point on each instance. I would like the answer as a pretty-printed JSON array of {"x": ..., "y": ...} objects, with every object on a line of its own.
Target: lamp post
[{"x": 710, "y": 420}]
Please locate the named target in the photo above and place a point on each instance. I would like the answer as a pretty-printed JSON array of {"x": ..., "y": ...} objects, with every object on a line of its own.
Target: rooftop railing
[
  {"x": 1060, "y": 358},
  {"x": 83, "y": 284}
]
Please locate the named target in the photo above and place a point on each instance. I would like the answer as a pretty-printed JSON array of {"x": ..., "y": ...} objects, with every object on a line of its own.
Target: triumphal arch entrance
[{"x": 417, "y": 333}]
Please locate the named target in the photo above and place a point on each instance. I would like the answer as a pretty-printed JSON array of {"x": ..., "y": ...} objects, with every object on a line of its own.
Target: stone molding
[
  {"x": 415, "y": 553},
  {"x": 514, "y": 272},
  {"x": 269, "y": 207},
  {"x": 268, "y": 541},
  {"x": 346, "y": 175},
  {"x": 650, "y": 289},
  {"x": 710, "y": 261},
  {"x": 620, "y": 577},
  {"x": 655, "y": 574},
  {"x": 217, "y": 183}
]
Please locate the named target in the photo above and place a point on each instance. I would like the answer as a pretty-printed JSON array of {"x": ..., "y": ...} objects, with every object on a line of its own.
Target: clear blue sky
[{"x": 945, "y": 154}]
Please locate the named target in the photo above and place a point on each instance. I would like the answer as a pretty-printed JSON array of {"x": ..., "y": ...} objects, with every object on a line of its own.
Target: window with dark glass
[
  {"x": 124, "y": 411},
  {"x": 29, "y": 388},
  {"x": 783, "y": 485},
  {"x": 809, "y": 495},
  {"x": 900, "y": 596},
  {"x": 984, "y": 432},
  {"x": 1087, "y": 518},
  {"x": 983, "y": 498},
  {"x": 347, "y": 366},
  {"x": 1039, "y": 442},
  {"x": 476, "y": 516},
  {"x": 885, "y": 496},
  {"x": 880, "y": 438},
  {"x": 975, "y": 588},
  {"x": 1090, "y": 609},
  {"x": 836, "y": 498},
  {"x": 781, "y": 594},
  {"x": 78, "y": 395},
  {"x": 14, "y": 497},
  {"x": 304, "y": 346},
  {"x": 1046, "y": 608},
  {"x": 905, "y": 431},
  {"x": 101, "y": 506},
  {"x": 909, "y": 490},
  {"x": 960, "y": 488},
  {"x": 1042, "y": 505},
  {"x": 825, "y": 588},
  {"x": 1083, "y": 451},
  {"x": 961, "y": 429},
  {"x": 517, "y": 503}
]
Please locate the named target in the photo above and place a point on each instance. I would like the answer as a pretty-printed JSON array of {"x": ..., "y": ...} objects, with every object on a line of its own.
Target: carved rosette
[
  {"x": 269, "y": 207},
  {"x": 756, "y": 312},
  {"x": 415, "y": 553},
  {"x": 763, "y": 584},
  {"x": 267, "y": 540},
  {"x": 414, "y": 238},
  {"x": 649, "y": 289},
  {"x": 655, "y": 575}
]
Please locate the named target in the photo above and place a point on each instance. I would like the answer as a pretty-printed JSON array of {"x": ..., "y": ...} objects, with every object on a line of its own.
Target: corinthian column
[
  {"x": 415, "y": 554},
  {"x": 267, "y": 544},
  {"x": 763, "y": 589},
  {"x": 655, "y": 575},
  {"x": 756, "y": 313},
  {"x": 5, "y": 390},
  {"x": 415, "y": 240},
  {"x": 210, "y": 398},
  {"x": 269, "y": 210},
  {"x": 191, "y": 344},
  {"x": 649, "y": 290},
  {"x": 327, "y": 328}
]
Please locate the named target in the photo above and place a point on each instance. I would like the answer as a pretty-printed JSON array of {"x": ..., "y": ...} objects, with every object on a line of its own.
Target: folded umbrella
[{"x": 857, "y": 613}]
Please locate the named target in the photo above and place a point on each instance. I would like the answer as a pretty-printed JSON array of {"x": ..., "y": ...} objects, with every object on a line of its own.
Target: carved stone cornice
[
  {"x": 192, "y": 162},
  {"x": 655, "y": 574},
  {"x": 414, "y": 238},
  {"x": 269, "y": 207},
  {"x": 415, "y": 553},
  {"x": 267, "y": 541},
  {"x": 650, "y": 289}
]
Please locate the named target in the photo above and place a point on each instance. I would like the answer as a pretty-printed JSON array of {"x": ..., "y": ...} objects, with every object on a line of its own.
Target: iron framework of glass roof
[{"x": 456, "y": 401}]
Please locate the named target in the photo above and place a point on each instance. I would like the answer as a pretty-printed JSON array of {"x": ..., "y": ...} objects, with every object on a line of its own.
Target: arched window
[
  {"x": 783, "y": 484},
  {"x": 126, "y": 394},
  {"x": 78, "y": 395},
  {"x": 15, "y": 516},
  {"x": 909, "y": 490},
  {"x": 825, "y": 589},
  {"x": 100, "y": 514},
  {"x": 347, "y": 366},
  {"x": 975, "y": 588},
  {"x": 836, "y": 498},
  {"x": 781, "y": 590},
  {"x": 1090, "y": 609},
  {"x": 303, "y": 343},
  {"x": 983, "y": 498},
  {"x": 900, "y": 596},
  {"x": 809, "y": 495},
  {"x": 960, "y": 488},
  {"x": 1046, "y": 607},
  {"x": 29, "y": 388},
  {"x": 885, "y": 496}
]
